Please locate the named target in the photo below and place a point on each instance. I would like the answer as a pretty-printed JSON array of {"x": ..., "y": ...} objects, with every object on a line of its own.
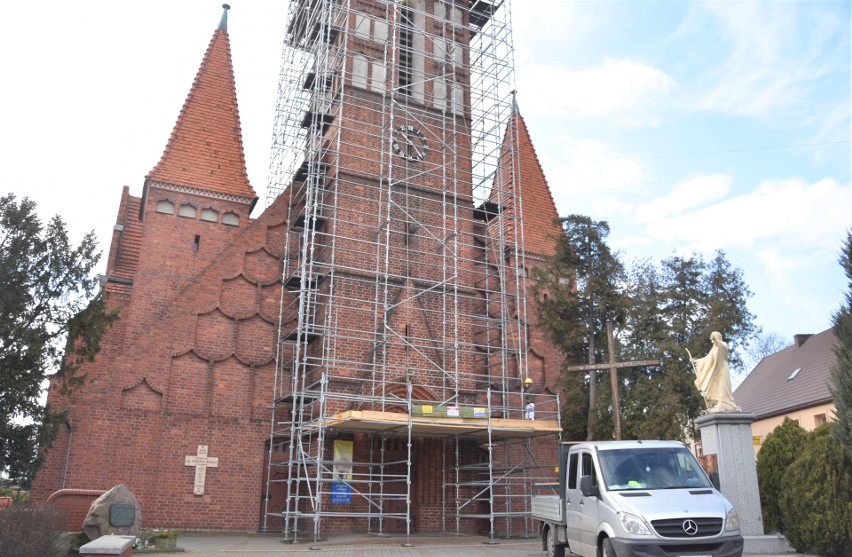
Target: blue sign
[{"x": 341, "y": 492}]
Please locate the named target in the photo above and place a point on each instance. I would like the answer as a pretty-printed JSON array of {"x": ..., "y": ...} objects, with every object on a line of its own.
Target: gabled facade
[
  {"x": 374, "y": 313},
  {"x": 792, "y": 383}
]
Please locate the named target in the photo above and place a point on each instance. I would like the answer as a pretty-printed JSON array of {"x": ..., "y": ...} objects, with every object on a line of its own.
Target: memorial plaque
[
  {"x": 121, "y": 514},
  {"x": 201, "y": 462}
]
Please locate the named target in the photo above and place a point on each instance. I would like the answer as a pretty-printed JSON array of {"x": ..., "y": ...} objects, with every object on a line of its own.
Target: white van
[{"x": 634, "y": 498}]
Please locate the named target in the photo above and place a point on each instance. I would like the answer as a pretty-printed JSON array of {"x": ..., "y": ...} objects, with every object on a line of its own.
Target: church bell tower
[{"x": 401, "y": 371}]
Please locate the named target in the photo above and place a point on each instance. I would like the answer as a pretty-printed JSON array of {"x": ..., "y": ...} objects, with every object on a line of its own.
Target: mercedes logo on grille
[{"x": 690, "y": 527}]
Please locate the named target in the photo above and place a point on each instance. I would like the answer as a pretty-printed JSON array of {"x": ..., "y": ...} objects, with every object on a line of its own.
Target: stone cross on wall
[{"x": 201, "y": 462}]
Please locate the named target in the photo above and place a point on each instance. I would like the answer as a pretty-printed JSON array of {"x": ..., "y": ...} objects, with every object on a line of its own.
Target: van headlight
[
  {"x": 732, "y": 521},
  {"x": 632, "y": 524}
]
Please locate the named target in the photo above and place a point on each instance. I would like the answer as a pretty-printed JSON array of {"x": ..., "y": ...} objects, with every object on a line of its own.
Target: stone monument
[{"x": 115, "y": 512}]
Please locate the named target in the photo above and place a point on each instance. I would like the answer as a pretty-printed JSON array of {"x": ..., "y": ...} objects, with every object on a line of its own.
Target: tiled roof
[
  {"x": 127, "y": 242},
  {"x": 205, "y": 149},
  {"x": 774, "y": 387},
  {"x": 539, "y": 210}
]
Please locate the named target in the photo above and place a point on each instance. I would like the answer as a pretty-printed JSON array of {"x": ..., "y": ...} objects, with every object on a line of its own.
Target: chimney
[{"x": 800, "y": 339}]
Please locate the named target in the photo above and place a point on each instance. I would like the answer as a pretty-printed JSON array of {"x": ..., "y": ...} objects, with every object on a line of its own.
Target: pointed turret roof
[
  {"x": 539, "y": 214},
  {"x": 205, "y": 150}
]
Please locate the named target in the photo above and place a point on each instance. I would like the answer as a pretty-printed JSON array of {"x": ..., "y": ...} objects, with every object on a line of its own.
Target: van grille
[{"x": 677, "y": 527}]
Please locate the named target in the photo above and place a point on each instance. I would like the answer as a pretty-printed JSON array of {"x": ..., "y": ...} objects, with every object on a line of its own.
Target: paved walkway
[
  {"x": 435, "y": 545},
  {"x": 270, "y": 545}
]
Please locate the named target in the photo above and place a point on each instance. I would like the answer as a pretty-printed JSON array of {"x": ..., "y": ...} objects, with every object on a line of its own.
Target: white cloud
[
  {"x": 688, "y": 194},
  {"x": 538, "y": 38},
  {"x": 629, "y": 90},
  {"x": 792, "y": 213},
  {"x": 777, "y": 56},
  {"x": 590, "y": 171}
]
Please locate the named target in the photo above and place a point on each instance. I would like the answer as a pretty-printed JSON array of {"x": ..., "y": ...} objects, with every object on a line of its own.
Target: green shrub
[
  {"x": 31, "y": 530},
  {"x": 780, "y": 449},
  {"x": 816, "y": 501}
]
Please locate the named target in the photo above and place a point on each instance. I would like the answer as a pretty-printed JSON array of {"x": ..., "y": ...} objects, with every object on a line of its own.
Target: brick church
[{"x": 361, "y": 355}]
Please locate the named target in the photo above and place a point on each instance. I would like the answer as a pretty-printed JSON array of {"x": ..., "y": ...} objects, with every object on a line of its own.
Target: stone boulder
[{"x": 115, "y": 512}]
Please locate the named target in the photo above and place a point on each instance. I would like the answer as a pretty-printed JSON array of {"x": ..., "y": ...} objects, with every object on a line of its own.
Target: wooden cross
[
  {"x": 613, "y": 374},
  {"x": 201, "y": 462}
]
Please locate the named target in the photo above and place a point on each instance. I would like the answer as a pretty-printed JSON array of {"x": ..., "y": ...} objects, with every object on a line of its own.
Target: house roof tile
[{"x": 774, "y": 387}]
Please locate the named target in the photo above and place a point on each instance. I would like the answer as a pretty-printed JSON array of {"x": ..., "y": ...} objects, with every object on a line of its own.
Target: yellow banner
[{"x": 343, "y": 451}]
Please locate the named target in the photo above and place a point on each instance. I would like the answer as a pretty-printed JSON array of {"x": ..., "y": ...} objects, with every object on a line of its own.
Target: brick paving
[{"x": 436, "y": 545}]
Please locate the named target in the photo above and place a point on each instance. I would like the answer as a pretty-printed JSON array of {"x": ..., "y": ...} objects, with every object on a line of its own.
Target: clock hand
[{"x": 413, "y": 147}]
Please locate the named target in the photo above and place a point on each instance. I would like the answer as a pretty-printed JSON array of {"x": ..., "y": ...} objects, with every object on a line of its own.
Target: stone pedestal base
[
  {"x": 728, "y": 436},
  {"x": 119, "y": 546},
  {"x": 770, "y": 544}
]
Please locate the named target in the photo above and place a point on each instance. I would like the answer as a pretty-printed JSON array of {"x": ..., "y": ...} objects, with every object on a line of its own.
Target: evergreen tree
[
  {"x": 816, "y": 502},
  {"x": 558, "y": 309},
  {"x": 674, "y": 308},
  {"x": 657, "y": 312},
  {"x": 780, "y": 449},
  {"x": 841, "y": 376},
  {"x": 598, "y": 275},
  {"x": 726, "y": 296},
  {"x": 50, "y": 324},
  {"x": 683, "y": 296}
]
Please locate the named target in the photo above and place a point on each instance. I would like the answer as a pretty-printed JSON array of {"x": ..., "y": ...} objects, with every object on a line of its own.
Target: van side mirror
[{"x": 587, "y": 489}]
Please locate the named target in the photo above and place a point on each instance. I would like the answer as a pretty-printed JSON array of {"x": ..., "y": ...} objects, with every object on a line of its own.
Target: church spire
[
  {"x": 223, "y": 23},
  {"x": 539, "y": 214},
  {"x": 205, "y": 150}
]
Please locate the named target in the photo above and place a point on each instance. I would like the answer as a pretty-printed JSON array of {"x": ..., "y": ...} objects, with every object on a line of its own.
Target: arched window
[
  {"x": 187, "y": 211},
  {"x": 166, "y": 207},
  {"x": 209, "y": 215},
  {"x": 231, "y": 219}
]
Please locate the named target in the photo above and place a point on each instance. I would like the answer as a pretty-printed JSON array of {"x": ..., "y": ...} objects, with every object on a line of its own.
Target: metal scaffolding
[{"x": 402, "y": 329}]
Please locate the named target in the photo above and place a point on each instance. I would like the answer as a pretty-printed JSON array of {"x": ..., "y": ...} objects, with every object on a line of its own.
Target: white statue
[{"x": 713, "y": 378}]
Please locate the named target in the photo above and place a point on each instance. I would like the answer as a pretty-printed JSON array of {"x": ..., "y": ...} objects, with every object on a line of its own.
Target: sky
[{"x": 689, "y": 127}]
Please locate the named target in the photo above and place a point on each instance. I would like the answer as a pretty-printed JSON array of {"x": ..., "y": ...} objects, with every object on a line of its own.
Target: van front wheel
[
  {"x": 607, "y": 549},
  {"x": 554, "y": 549}
]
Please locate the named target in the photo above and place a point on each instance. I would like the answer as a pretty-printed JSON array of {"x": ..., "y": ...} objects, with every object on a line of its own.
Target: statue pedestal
[{"x": 728, "y": 436}]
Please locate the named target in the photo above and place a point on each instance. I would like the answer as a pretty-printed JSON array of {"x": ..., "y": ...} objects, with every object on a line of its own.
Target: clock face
[{"x": 409, "y": 143}]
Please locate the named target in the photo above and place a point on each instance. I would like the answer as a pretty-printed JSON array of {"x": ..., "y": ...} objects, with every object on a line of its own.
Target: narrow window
[
  {"x": 572, "y": 472},
  {"x": 359, "y": 71},
  {"x": 197, "y": 244},
  {"x": 406, "y": 51},
  {"x": 377, "y": 80},
  {"x": 362, "y": 26}
]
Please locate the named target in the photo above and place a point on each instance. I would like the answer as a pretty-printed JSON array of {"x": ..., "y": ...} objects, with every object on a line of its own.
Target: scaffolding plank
[{"x": 478, "y": 428}]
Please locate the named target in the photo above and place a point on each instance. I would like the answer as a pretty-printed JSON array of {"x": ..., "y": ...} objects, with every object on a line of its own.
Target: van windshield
[{"x": 651, "y": 468}]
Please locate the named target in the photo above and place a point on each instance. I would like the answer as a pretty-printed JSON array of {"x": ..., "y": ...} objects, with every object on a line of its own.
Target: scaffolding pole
[{"x": 402, "y": 321}]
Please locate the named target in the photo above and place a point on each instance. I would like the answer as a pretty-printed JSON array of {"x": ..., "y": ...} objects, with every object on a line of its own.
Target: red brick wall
[{"x": 191, "y": 361}]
